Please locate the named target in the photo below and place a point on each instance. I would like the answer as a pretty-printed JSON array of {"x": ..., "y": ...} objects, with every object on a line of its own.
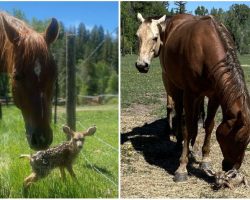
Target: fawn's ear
[
  {"x": 231, "y": 173},
  {"x": 209, "y": 172},
  {"x": 67, "y": 130},
  {"x": 90, "y": 131}
]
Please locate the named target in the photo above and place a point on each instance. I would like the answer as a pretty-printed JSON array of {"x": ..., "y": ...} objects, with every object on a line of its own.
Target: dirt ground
[{"x": 149, "y": 160}]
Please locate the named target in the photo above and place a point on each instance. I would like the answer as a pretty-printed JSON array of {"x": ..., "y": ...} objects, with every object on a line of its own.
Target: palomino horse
[
  {"x": 198, "y": 59},
  {"x": 25, "y": 55}
]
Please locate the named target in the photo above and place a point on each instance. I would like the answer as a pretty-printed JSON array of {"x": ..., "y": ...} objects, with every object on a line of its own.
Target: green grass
[
  {"x": 148, "y": 88},
  {"x": 100, "y": 150},
  {"x": 245, "y": 59},
  {"x": 137, "y": 87}
]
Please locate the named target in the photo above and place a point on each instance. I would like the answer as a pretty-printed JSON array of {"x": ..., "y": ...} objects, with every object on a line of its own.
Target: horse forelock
[
  {"x": 234, "y": 85},
  {"x": 30, "y": 45},
  {"x": 33, "y": 46}
]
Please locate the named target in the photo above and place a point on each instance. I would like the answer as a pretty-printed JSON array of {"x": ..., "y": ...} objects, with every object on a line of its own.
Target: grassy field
[
  {"x": 96, "y": 167},
  {"x": 137, "y": 87},
  {"x": 148, "y": 88}
]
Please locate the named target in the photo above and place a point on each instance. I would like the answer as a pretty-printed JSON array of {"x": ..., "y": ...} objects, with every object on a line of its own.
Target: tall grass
[{"x": 96, "y": 167}]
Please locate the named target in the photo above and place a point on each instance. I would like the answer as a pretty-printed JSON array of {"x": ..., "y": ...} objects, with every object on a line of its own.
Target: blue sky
[
  {"x": 225, "y": 5},
  {"x": 70, "y": 13}
]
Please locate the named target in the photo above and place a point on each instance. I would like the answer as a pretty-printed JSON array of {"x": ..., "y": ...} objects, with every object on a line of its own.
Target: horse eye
[{"x": 155, "y": 39}]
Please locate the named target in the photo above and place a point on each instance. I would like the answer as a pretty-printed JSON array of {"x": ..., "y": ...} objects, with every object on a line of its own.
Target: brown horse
[
  {"x": 198, "y": 59},
  {"x": 25, "y": 55}
]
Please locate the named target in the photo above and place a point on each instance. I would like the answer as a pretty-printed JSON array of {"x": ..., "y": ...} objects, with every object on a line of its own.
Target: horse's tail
[{"x": 25, "y": 156}]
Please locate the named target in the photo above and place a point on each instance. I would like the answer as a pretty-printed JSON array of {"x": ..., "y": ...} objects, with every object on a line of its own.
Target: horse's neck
[{"x": 238, "y": 109}]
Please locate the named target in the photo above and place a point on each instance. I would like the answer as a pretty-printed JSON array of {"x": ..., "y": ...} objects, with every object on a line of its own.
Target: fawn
[
  {"x": 62, "y": 156},
  {"x": 230, "y": 179}
]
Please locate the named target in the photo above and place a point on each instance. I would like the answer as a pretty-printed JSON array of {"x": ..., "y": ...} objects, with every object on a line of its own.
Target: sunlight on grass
[{"x": 92, "y": 184}]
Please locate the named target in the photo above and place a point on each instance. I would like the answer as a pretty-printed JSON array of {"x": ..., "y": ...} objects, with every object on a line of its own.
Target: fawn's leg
[
  {"x": 33, "y": 177},
  {"x": 63, "y": 175},
  {"x": 71, "y": 172}
]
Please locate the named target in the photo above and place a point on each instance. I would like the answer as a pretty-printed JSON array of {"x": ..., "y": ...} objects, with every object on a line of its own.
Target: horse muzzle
[
  {"x": 142, "y": 68},
  {"x": 39, "y": 138}
]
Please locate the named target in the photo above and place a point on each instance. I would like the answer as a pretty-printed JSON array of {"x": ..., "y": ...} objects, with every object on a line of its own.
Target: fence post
[{"x": 70, "y": 81}]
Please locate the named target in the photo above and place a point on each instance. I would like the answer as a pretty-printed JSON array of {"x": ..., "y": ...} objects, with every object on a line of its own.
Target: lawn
[
  {"x": 96, "y": 167},
  {"x": 140, "y": 88},
  {"x": 148, "y": 88}
]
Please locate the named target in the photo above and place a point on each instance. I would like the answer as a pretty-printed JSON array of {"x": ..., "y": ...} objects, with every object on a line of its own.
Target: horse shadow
[{"x": 152, "y": 140}]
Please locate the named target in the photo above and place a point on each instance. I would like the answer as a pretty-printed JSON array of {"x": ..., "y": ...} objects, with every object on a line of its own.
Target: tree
[
  {"x": 201, "y": 11},
  {"x": 19, "y": 14},
  {"x": 181, "y": 7},
  {"x": 112, "y": 83},
  {"x": 237, "y": 21},
  {"x": 81, "y": 40},
  {"x": 219, "y": 14}
]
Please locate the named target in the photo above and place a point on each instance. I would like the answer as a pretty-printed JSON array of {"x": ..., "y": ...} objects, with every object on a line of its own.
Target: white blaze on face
[
  {"x": 154, "y": 28},
  {"x": 147, "y": 32},
  {"x": 38, "y": 69}
]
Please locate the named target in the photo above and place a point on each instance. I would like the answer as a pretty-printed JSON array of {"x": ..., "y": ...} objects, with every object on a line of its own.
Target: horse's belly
[{"x": 185, "y": 79}]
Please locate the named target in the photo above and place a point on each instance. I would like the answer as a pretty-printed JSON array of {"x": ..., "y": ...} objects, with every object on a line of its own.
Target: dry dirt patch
[{"x": 148, "y": 161}]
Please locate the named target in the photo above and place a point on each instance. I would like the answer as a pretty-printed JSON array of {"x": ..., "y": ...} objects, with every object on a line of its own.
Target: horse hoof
[
  {"x": 204, "y": 165},
  {"x": 180, "y": 177}
]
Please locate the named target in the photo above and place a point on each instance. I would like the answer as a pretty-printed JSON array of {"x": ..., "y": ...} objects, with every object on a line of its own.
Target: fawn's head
[
  {"x": 77, "y": 138},
  {"x": 221, "y": 177}
]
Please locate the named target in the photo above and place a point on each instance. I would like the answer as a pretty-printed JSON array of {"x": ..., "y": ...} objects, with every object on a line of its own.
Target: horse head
[
  {"x": 148, "y": 35},
  {"x": 33, "y": 75}
]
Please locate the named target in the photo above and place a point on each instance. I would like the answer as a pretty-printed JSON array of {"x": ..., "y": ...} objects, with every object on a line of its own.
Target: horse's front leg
[
  {"x": 191, "y": 106},
  {"x": 209, "y": 125}
]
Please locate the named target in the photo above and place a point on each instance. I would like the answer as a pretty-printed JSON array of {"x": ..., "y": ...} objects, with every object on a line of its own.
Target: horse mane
[
  {"x": 30, "y": 43},
  {"x": 234, "y": 86}
]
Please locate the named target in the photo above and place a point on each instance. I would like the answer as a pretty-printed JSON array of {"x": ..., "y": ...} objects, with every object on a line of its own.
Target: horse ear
[
  {"x": 162, "y": 22},
  {"x": 52, "y": 31},
  {"x": 139, "y": 17},
  {"x": 11, "y": 32}
]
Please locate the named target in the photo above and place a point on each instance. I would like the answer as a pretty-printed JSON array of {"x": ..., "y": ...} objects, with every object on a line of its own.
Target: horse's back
[{"x": 192, "y": 47}]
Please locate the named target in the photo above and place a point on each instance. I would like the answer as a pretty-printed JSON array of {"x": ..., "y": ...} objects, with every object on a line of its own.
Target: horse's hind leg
[
  {"x": 170, "y": 109},
  {"x": 209, "y": 125},
  {"x": 178, "y": 105},
  {"x": 191, "y": 105}
]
